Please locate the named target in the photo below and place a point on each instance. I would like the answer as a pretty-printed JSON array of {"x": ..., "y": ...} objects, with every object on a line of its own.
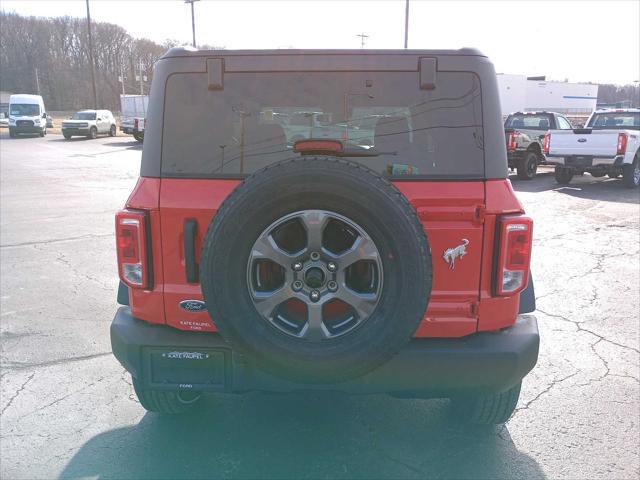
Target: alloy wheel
[{"x": 315, "y": 275}]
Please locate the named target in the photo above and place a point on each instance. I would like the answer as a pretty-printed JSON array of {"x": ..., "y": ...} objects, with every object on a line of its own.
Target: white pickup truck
[{"x": 609, "y": 144}]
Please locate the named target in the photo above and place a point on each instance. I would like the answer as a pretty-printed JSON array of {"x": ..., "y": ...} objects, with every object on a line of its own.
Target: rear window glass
[
  {"x": 615, "y": 120},
  {"x": 257, "y": 118},
  {"x": 530, "y": 122}
]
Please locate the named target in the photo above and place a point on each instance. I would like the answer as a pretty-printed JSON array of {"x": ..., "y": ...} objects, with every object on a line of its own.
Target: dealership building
[{"x": 519, "y": 93}]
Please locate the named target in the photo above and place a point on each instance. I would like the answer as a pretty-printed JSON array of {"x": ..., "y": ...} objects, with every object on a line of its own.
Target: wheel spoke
[
  {"x": 267, "y": 249},
  {"x": 300, "y": 272},
  {"x": 362, "y": 249},
  {"x": 362, "y": 303},
  {"x": 314, "y": 222},
  {"x": 266, "y": 302},
  {"x": 314, "y": 329}
]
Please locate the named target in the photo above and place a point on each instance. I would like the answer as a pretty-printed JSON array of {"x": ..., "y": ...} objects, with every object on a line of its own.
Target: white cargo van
[
  {"x": 27, "y": 115},
  {"x": 133, "y": 114}
]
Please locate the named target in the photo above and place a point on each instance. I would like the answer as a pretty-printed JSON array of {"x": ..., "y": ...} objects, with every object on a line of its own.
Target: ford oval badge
[
  {"x": 582, "y": 140},
  {"x": 193, "y": 305}
]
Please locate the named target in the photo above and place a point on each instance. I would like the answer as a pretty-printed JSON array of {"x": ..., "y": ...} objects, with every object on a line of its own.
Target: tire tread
[{"x": 488, "y": 409}]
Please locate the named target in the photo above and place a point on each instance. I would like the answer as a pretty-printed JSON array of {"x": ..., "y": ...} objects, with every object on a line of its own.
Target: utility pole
[
  {"x": 122, "y": 76},
  {"x": 93, "y": 68},
  {"x": 37, "y": 82},
  {"x": 141, "y": 79},
  {"x": 193, "y": 21},
  {"x": 362, "y": 37},
  {"x": 406, "y": 24}
]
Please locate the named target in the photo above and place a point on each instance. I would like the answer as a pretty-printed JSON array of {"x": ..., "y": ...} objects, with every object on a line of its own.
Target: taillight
[
  {"x": 135, "y": 123},
  {"x": 622, "y": 143},
  {"x": 512, "y": 141},
  {"x": 546, "y": 143},
  {"x": 131, "y": 238},
  {"x": 514, "y": 254}
]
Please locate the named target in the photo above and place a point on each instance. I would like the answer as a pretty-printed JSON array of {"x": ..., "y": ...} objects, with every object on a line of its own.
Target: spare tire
[{"x": 318, "y": 269}]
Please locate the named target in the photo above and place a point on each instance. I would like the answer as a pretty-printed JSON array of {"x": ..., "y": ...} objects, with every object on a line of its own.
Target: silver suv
[{"x": 89, "y": 123}]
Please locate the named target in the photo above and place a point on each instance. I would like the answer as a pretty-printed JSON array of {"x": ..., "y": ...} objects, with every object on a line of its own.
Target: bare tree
[{"x": 58, "y": 48}]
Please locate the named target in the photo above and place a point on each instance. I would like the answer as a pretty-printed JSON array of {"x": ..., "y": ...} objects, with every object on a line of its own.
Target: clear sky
[{"x": 596, "y": 41}]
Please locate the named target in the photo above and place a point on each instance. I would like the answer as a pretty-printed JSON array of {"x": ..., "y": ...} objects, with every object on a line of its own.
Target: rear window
[
  {"x": 615, "y": 120},
  {"x": 256, "y": 119},
  {"x": 529, "y": 121}
]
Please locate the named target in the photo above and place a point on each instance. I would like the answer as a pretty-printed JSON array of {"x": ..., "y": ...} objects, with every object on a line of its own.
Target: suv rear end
[{"x": 379, "y": 250}]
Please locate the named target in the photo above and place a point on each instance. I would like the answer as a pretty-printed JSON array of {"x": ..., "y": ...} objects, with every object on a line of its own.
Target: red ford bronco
[{"x": 378, "y": 248}]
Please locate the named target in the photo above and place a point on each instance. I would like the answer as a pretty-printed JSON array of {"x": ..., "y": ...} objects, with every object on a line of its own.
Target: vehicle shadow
[
  {"x": 306, "y": 435},
  {"x": 125, "y": 143},
  {"x": 585, "y": 186},
  {"x": 129, "y": 145},
  {"x": 76, "y": 138}
]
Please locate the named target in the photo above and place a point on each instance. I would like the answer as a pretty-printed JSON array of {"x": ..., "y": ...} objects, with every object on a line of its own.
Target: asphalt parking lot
[{"x": 68, "y": 408}]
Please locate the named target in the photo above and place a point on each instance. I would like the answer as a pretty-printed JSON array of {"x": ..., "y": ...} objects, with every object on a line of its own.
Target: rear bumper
[
  {"x": 165, "y": 358},
  {"x": 76, "y": 131},
  {"x": 586, "y": 161},
  {"x": 26, "y": 129},
  {"x": 130, "y": 130}
]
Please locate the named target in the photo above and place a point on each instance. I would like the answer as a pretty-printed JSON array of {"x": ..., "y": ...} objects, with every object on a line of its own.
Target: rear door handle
[{"x": 190, "y": 264}]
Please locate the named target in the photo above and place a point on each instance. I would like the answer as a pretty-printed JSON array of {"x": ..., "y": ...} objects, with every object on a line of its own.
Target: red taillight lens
[
  {"x": 514, "y": 256},
  {"x": 512, "y": 140},
  {"x": 623, "y": 138},
  {"x": 132, "y": 249},
  {"x": 546, "y": 143}
]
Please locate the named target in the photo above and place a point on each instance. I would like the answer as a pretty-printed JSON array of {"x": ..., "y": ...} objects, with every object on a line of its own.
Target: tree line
[
  {"x": 618, "y": 93},
  {"x": 51, "y": 56}
]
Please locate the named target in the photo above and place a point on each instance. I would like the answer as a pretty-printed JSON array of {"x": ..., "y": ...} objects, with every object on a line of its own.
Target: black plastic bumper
[
  {"x": 25, "y": 129},
  {"x": 165, "y": 358},
  {"x": 76, "y": 131}
]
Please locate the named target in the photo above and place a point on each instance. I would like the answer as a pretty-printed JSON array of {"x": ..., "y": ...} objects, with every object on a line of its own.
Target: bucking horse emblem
[{"x": 450, "y": 254}]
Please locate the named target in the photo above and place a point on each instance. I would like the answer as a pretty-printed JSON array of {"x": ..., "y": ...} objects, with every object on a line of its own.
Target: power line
[{"x": 362, "y": 37}]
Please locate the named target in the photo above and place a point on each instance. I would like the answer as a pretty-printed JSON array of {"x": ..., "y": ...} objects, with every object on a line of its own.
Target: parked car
[
  {"x": 90, "y": 124},
  {"x": 524, "y": 132},
  {"x": 400, "y": 267},
  {"x": 609, "y": 144},
  {"x": 4, "y": 120},
  {"x": 133, "y": 114},
  {"x": 27, "y": 115}
]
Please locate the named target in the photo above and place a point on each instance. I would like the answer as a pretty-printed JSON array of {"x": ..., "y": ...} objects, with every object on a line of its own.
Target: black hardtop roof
[{"x": 193, "y": 52}]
